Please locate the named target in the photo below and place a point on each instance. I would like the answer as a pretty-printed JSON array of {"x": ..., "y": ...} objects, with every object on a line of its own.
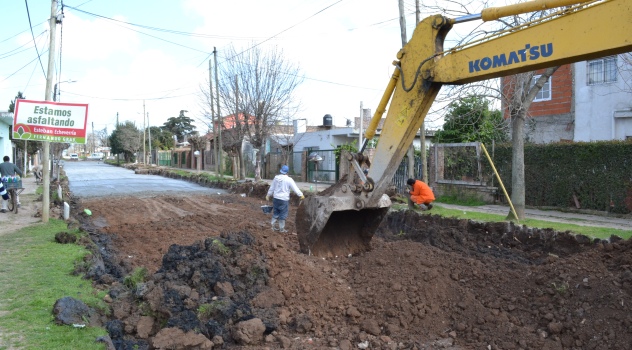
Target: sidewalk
[
  {"x": 537, "y": 214},
  {"x": 550, "y": 215},
  {"x": 10, "y": 222}
]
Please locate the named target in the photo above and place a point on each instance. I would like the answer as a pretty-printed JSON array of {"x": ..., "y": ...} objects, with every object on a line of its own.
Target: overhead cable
[{"x": 33, "y": 36}]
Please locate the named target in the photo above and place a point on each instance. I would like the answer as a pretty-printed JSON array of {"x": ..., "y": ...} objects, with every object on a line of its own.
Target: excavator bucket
[{"x": 338, "y": 222}]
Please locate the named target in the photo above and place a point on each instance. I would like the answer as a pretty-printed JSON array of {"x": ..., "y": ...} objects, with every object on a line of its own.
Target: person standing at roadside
[
  {"x": 421, "y": 194},
  {"x": 8, "y": 169},
  {"x": 280, "y": 193}
]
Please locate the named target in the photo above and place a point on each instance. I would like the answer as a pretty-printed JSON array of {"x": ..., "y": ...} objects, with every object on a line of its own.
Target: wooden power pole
[
  {"x": 219, "y": 116},
  {"x": 48, "y": 97}
]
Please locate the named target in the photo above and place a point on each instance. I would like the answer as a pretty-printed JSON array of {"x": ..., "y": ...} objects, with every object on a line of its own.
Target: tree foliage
[
  {"x": 125, "y": 140},
  {"x": 470, "y": 119},
  {"x": 32, "y": 147},
  {"x": 181, "y": 126},
  {"x": 19, "y": 96},
  {"x": 161, "y": 138}
]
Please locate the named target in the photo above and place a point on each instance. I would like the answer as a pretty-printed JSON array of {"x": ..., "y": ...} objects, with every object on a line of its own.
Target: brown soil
[{"x": 217, "y": 272}]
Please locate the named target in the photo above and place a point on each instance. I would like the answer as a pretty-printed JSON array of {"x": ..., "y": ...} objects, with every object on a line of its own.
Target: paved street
[{"x": 95, "y": 179}]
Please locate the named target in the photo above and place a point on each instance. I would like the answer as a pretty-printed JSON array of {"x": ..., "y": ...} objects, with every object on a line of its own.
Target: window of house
[
  {"x": 603, "y": 70},
  {"x": 545, "y": 93}
]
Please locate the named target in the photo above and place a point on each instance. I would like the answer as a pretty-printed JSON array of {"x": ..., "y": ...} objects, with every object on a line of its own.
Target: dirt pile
[{"x": 428, "y": 282}]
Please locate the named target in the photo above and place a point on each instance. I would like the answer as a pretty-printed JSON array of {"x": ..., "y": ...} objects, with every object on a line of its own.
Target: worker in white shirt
[{"x": 280, "y": 192}]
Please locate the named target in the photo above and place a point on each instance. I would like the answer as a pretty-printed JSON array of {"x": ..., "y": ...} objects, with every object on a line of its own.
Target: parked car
[
  {"x": 74, "y": 156},
  {"x": 96, "y": 156}
]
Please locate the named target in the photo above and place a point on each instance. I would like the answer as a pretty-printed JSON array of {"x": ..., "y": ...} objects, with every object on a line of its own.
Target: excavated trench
[{"x": 427, "y": 283}]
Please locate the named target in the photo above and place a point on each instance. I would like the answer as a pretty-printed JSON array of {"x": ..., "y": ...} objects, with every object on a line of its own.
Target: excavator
[{"x": 342, "y": 219}]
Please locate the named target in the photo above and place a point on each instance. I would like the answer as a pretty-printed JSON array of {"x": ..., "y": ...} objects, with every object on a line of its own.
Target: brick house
[{"x": 584, "y": 101}]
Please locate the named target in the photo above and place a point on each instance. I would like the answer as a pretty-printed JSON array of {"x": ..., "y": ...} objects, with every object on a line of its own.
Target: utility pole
[
  {"x": 149, "y": 132},
  {"x": 144, "y": 153},
  {"x": 118, "y": 156},
  {"x": 411, "y": 150},
  {"x": 49, "y": 86},
  {"x": 94, "y": 141},
  {"x": 219, "y": 115},
  {"x": 240, "y": 155},
  {"x": 210, "y": 93},
  {"x": 360, "y": 131}
]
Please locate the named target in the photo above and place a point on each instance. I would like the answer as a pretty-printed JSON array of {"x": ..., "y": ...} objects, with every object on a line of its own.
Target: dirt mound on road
[{"x": 218, "y": 272}]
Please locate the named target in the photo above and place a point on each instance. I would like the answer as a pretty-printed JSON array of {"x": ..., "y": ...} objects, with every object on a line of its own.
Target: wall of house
[
  {"x": 603, "y": 111},
  {"x": 323, "y": 139},
  {"x": 6, "y": 122},
  {"x": 549, "y": 120},
  {"x": 561, "y": 95}
]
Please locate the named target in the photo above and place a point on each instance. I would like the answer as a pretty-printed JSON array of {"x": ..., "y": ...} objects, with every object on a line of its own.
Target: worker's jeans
[{"x": 281, "y": 208}]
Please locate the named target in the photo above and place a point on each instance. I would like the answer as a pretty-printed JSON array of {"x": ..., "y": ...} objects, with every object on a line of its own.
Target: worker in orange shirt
[{"x": 421, "y": 194}]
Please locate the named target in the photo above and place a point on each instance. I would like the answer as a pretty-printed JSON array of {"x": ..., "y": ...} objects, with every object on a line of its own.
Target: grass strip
[
  {"x": 590, "y": 231},
  {"x": 35, "y": 271}
]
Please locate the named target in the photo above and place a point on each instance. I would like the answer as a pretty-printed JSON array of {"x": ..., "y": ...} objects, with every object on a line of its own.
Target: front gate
[
  {"x": 164, "y": 158},
  {"x": 323, "y": 171}
]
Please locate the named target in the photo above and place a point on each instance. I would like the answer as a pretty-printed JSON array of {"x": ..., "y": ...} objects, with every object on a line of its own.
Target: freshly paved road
[{"x": 95, "y": 179}]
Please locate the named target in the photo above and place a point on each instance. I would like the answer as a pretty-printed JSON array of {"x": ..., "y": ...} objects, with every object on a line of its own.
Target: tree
[
  {"x": 198, "y": 143},
  {"x": 125, "y": 140},
  {"x": 516, "y": 103},
  {"x": 470, "y": 119},
  {"x": 32, "y": 147},
  {"x": 101, "y": 137},
  {"x": 181, "y": 126},
  {"x": 19, "y": 96},
  {"x": 257, "y": 87},
  {"x": 161, "y": 138}
]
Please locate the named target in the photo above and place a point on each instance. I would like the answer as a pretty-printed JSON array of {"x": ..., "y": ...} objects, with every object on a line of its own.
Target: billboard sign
[{"x": 50, "y": 121}]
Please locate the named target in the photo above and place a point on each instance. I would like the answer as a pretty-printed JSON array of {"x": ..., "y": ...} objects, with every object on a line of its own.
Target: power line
[
  {"x": 36, "y": 58},
  {"x": 138, "y": 31},
  {"x": 130, "y": 99},
  {"x": 13, "y": 52},
  {"x": 164, "y": 30},
  {"x": 33, "y": 36},
  {"x": 285, "y": 30}
]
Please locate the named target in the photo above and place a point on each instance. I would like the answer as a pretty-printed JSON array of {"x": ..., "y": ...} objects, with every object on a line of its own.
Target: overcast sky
[{"x": 344, "y": 49}]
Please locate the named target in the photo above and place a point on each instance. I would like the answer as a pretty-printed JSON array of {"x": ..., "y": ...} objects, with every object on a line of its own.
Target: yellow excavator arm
[{"x": 342, "y": 219}]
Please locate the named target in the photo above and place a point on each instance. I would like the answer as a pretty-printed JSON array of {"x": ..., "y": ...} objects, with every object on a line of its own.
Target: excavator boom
[{"x": 342, "y": 219}]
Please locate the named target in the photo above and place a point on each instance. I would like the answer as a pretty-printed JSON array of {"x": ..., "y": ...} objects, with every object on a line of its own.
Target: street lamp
[{"x": 58, "y": 92}]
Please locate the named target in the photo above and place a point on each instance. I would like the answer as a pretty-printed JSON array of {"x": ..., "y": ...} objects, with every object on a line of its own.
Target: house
[
  {"x": 236, "y": 137},
  {"x": 6, "y": 125},
  {"x": 603, "y": 99},
  {"x": 584, "y": 101}
]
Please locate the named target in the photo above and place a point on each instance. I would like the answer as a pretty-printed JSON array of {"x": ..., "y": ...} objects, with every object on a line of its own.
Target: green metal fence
[{"x": 164, "y": 158}]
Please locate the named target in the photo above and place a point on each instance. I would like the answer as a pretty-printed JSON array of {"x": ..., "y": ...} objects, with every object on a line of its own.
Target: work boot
[
  {"x": 282, "y": 226},
  {"x": 429, "y": 205},
  {"x": 274, "y": 220}
]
